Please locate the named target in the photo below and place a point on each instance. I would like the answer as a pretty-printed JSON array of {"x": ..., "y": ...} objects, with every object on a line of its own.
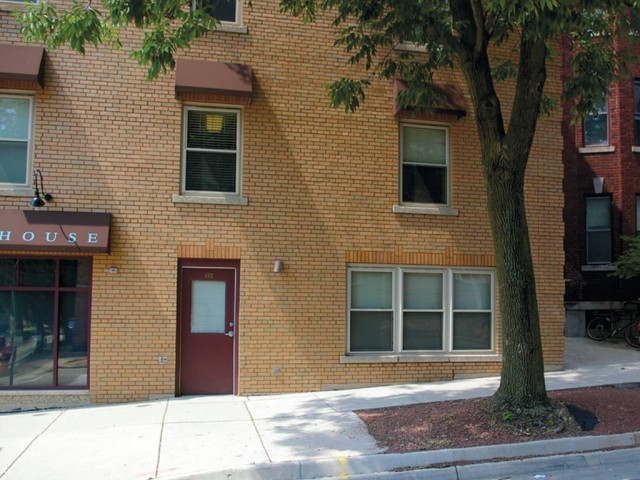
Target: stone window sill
[
  {"x": 213, "y": 200},
  {"x": 418, "y": 358},
  {"x": 635, "y": 149},
  {"x": 598, "y": 268},
  {"x": 16, "y": 192},
  {"x": 591, "y": 150},
  {"x": 231, "y": 28},
  {"x": 425, "y": 209}
]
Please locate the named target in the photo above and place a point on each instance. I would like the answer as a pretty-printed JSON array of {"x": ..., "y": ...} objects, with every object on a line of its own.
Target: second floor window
[
  {"x": 15, "y": 139},
  {"x": 598, "y": 230},
  {"x": 211, "y": 152},
  {"x": 424, "y": 152},
  {"x": 636, "y": 111},
  {"x": 637, "y": 214},
  {"x": 223, "y": 10},
  {"x": 596, "y": 126}
]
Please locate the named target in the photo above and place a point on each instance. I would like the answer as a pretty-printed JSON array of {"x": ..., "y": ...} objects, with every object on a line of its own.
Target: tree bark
[
  {"x": 522, "y": 379},
  {"x": 504, "y": 159}
]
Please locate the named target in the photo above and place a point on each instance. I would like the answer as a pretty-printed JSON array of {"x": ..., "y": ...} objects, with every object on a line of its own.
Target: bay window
[{"x": 420, "y": 310}]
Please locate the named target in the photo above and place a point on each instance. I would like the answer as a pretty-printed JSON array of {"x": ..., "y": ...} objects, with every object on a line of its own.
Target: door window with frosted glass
[{"x": 208, "y": 306}]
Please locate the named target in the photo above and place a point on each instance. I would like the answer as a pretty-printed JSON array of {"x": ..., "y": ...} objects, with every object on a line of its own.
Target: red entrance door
[{"x": 208, "y": 327}]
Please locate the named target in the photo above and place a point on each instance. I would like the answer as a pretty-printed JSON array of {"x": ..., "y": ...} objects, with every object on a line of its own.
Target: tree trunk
[
  {"x": 522, "y": 380},
  {"x": 504, "y": 159}
]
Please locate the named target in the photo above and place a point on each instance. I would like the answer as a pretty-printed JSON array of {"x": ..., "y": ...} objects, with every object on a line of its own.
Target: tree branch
[{"x": 478, "y": 17}]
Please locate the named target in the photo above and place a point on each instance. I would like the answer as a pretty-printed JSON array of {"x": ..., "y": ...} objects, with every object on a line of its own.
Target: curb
[
  {"x": 543, "y": 467},
  {"x": 344, "y": 467}
]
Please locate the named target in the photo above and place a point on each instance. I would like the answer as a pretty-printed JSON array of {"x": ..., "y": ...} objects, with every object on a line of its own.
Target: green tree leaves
[
  {"x": 169, "y": 25},
  {"x": 628, "y": 264}
]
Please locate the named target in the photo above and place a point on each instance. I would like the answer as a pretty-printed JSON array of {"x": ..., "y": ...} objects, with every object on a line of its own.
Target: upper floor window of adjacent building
[
  {"x": 16, "y": 120},
  {"x": 598, "y": 230},
  {"x": 637, "y": 214},
  {"x": 636, "y": 111},
  {"x": 400, "y": 310},
  {"x": 596, "y": 126},
  {"x": 223, "y": 10},
  {"x": 211, "y": 151},
  {"x": 424, "y": 153}
]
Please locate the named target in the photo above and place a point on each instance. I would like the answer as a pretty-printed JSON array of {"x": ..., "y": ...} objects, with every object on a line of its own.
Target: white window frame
[
  {"x": 398, "y": 310},
  {"x": 588, "y": 231},
  {"x": 637, "y": 214},
  {"x": 206, "y": 196},
  {"x": 29, "y": 159},
  {"x": 19, "y": 2},
  {"x": 238, "y": 21},
  {"x": 600, "y": 111},
  {"x": 636, "y": 112},
  {"x": 447, "y": 166}
]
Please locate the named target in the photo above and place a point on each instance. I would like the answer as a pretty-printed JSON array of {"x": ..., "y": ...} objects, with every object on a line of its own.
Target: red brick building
[{"x": 602, "y": 202}]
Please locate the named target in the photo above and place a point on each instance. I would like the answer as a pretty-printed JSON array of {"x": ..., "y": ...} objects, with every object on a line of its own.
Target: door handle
[{"x": 230, "y": 333}]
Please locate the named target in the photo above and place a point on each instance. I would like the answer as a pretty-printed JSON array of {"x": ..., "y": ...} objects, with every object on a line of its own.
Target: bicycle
[
  {"x": 632, "y": 334},
  {"x": 625, "y": 322}
]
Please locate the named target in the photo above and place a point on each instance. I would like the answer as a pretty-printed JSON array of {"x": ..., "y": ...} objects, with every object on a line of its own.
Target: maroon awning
[
  {"x": 54, "y": 231},
  {"x": 453, "y": 103},
  {"x": 22, "y": 62},
  {"x": 199, "y": 76}
]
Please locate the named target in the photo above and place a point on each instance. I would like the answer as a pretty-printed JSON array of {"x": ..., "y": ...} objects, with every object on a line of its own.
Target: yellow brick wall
[{"x": 320, "y": 186}]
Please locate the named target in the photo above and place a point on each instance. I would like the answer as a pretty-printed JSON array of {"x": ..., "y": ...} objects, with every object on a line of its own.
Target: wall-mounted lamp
[
  {"x": 277, "y": 266},
  {"x": 37, "y": 200}
]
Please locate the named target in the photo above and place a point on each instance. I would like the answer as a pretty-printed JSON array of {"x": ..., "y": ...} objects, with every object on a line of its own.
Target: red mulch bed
[{"x": 466, "y": 423}]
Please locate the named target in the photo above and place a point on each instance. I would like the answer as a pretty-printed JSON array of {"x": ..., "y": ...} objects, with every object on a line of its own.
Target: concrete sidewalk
[{"x": 277, "y": 437}]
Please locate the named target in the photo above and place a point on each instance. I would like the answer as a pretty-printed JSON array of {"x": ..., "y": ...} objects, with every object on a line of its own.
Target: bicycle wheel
[
  {"x": 599, "y": 328},
  {"x": 632, "y": 334}
]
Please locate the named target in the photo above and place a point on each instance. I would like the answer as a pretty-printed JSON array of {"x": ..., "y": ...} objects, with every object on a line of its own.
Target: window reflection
[
  {"x": 38, "y": 319},
  {"x": 26, "y": 338},
  {"x": 37, "y": 273}
]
